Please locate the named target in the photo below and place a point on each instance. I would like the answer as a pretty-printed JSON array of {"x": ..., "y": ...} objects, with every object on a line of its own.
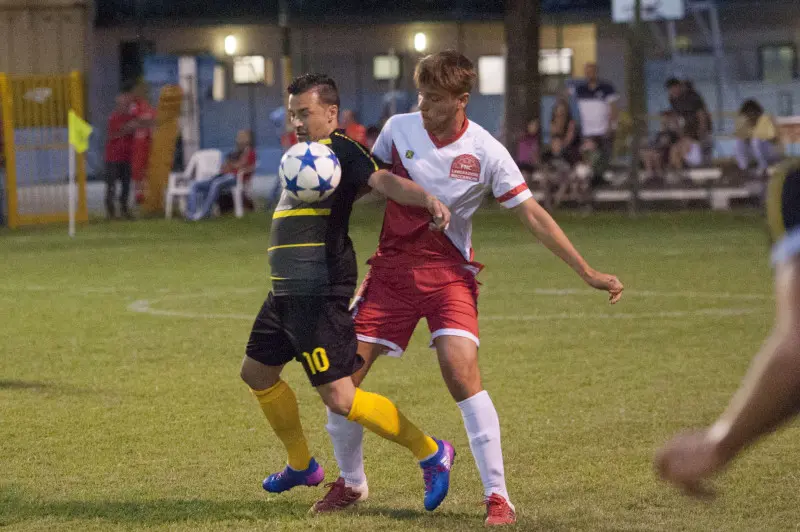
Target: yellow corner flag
[{"x": 79, "y": 132}]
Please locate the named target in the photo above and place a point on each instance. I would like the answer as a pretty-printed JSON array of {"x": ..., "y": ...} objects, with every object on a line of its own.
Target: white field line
[
  {"x": 143, "y": 306},
  {"x": 127, "y": 290},
  {"x": 686, "y": 294}
]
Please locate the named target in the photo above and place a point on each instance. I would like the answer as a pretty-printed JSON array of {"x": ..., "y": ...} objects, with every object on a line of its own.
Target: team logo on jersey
[
  {"x": 466, "y": 167},
  {"x": 409, "y": 154}
]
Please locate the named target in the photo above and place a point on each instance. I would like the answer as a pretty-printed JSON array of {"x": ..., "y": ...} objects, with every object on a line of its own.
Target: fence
[{"x": 34, "y": 121}]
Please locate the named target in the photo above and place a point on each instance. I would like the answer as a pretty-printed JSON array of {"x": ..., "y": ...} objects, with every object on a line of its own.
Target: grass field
[{"x": 121, "y": 407}]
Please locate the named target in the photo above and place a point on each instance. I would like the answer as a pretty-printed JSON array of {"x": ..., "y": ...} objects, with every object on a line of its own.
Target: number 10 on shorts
[{"x": 317, "y": 361}]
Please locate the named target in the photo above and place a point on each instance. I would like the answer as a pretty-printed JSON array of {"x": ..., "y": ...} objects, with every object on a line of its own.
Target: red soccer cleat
[
  {"x": 339, "y": 497},
  {"x": 499, "y": 511}
]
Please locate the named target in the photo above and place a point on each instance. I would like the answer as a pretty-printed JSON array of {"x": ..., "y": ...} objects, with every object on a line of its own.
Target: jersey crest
[{"x": 466, "y": 167}]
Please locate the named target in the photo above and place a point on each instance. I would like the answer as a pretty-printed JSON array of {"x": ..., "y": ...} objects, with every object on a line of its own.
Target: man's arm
[
  {"x": 542, "y": 225},
  {"x": 406, "y": 192},
  {"x": 769, "y": 396}
]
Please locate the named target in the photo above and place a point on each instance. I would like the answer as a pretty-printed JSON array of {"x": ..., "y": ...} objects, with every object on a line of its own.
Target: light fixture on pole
[{"x": 230, "y": 45}]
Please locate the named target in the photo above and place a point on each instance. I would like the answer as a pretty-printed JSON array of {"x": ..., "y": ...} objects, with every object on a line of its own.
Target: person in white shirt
[
  {"x": 417, "y": 273},
  {"x": 597, "y": 105}
]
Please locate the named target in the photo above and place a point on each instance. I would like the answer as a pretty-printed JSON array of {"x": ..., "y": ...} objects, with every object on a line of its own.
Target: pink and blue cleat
[
  {"x": 436, "y": 473},
  {"x": 287, "y": 479}
]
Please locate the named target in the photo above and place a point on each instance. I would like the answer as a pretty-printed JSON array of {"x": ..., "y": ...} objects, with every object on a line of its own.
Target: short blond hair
[{"x": 449, "y": 70}]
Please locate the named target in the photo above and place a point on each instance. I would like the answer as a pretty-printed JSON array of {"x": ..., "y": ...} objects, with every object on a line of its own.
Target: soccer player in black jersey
[
  {"x": 306, "y": 316},
  {"x": 770, "y": 393}
]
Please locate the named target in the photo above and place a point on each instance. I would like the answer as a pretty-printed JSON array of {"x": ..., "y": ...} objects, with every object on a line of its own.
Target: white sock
[
  {"x": 483, "y": 430},
  {"x": 348, "y": 447}
]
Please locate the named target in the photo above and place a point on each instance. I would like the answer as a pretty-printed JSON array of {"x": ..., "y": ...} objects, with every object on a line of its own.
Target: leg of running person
[
  {"x": 348, "y": 447},
  {"x": 458, "y": 360},
  {"x": 321, "y": 333},
  {"x": 385, "y": 318}
]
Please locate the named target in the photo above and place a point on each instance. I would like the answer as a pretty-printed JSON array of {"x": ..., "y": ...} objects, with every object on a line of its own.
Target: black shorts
[{"x": 317, "y": 331}]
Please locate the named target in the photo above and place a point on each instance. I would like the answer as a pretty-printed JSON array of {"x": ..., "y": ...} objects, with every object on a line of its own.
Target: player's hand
[
  {"x": 604, "y": 281},
  {"x": 439, "y": 212},
  {"x": 687, "y": 460}
]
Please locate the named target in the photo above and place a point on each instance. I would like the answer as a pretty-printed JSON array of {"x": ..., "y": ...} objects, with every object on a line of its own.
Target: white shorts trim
[
  {"x": 394, "y": 349},
  {"x": 454, "y": 332}
]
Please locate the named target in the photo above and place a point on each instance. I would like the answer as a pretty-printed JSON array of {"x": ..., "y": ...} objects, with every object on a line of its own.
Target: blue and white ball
[{"x": 310, "y": 172}]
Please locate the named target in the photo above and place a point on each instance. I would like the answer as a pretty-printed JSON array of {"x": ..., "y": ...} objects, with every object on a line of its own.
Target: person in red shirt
[
  {"x": 288, "y": 139},
  {"x": 144, "y": 120},
  {"x": 352, "y": 128},
  {"x": 203, "y": 194},
  {"x": 118, "y": 156}
]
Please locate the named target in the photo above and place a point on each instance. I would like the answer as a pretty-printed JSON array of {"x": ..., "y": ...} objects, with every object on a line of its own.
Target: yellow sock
[
  {"x": 279, "y": 404},
  {"x": 378, "y": 414}
]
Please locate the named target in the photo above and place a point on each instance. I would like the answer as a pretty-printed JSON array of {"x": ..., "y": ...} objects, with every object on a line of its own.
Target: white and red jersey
[{"x": 459, "y": 171}]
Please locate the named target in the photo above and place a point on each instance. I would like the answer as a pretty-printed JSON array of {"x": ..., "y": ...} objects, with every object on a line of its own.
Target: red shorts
[{"x": 391, "y": 302}]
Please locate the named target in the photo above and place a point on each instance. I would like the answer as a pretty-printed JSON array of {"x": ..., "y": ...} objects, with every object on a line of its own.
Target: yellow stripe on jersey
[
  {"x": 325, "y": 141},
  {"x": 301, "y": 212},
  {"x": 272, "y": 278},
  {"x": 360, "y": 147},
  {"x": 309, "y": 245}
]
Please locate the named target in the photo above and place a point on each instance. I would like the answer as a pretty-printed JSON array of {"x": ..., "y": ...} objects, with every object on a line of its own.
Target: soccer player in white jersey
[{"x": 417, "y": 273}]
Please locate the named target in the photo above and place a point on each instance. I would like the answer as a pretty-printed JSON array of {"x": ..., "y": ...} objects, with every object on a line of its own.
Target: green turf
[{"x": 115, "y": 419}]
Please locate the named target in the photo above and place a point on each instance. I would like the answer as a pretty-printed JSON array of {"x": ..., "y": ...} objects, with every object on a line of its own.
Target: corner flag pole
[
  {"x": 79, "y": 133},
  {"x": 72, "y": 191}
]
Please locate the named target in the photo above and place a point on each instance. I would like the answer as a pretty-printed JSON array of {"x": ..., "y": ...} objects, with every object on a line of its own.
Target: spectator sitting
[
  {"x": 564, "y": 129},
  {"x": 528, "y": 150},
  {"x": 561, "y": 158},
  {"x": 242, "y": 160},
  {"x": 756, "y": 138},
  {"x": 655, "y": 157},
  {"x": 352, "y": 128},
  {"x": 695, "y": 145}
]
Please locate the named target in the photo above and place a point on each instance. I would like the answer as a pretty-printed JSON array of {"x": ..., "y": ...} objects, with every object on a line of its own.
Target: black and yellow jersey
[
  {"x": 783, "y": 210},
  {"x": 310, "y": 251}
]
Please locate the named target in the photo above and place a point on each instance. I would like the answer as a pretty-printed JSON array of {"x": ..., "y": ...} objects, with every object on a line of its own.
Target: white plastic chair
[
  {"x": 238, "y": 195},
  {"x": 203, "y": 165}
]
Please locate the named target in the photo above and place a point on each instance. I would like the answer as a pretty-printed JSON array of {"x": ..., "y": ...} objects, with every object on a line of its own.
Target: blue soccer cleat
[
  {"x": 436, "y": 473},
  {"x": 287, "y": 479}
]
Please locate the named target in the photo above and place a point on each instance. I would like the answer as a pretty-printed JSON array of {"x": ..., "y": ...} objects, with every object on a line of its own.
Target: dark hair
[
  {"x": 321, "y": 83},
  {"x": 561, "y": 102},
  {"x": 449, "y": 70},
  {"x": 373, "y": 131},
  {"x": 673, "y": 82},
  {"x": 751, "y": 109}
]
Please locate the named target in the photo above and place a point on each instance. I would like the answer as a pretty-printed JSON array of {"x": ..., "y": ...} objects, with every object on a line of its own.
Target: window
[
  {"x": 778, "y": 63},
  {"x": 492, "y": 74},
  {"x": 492, "y": 69},
  {"x": 253, "y": 69},
  {"x": 385, "y": 67},
  {"x": 555, "y": 62}
]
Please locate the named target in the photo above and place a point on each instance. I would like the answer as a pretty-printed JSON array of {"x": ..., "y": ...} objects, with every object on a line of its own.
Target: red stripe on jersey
[
  {"x": 442, "y": 143},
  {"x": 519, "y": 189},
  {"x": 397, "y": 164}
]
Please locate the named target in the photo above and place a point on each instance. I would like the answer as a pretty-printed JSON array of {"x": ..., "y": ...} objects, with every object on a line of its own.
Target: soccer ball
[{"x": 310, "y": 172}]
